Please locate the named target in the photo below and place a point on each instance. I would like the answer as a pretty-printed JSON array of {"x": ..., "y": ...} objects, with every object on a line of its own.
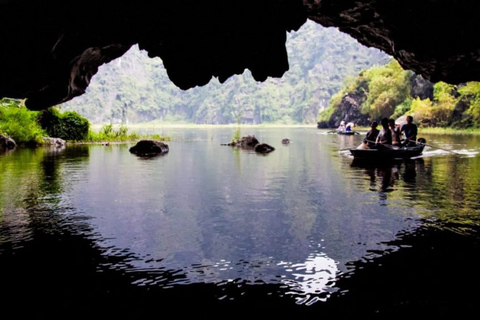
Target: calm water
[{"x": 210, "y": 230}]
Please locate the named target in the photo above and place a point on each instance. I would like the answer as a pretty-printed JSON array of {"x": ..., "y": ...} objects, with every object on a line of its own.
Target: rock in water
[{"x": 149, "y": 148}]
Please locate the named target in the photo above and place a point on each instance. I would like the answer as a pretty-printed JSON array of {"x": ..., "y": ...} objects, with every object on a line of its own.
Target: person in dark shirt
[
  {"x": 371, "y": 135},
  {"x": 409, "y": 131}
]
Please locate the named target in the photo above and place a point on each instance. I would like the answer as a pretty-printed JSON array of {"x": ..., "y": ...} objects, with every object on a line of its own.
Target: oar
[
  {"x": 429, "y": 145},
  {"x": 382, "y": 144}
]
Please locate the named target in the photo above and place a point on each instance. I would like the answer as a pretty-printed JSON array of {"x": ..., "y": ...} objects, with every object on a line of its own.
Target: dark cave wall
[
  {"x": 59, "y": 47},
  {"x": 51, "y": 50},
  {"x": 435, "y": 38}
]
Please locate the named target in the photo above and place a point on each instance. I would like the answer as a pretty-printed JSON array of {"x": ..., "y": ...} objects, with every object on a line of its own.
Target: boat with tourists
[
  {"x": 346, "y": 132},
  {"x": 345, "y": 129},
  {"x": 390, "y": 152}
]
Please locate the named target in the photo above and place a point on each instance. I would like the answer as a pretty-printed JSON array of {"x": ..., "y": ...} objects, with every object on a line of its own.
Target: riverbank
[
  {"x": 152, "y": 126},
  {"x": 437, "y": 131}
]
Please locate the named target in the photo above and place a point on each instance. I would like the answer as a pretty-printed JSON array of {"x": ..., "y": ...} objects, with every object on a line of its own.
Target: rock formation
[
  {"x": 147, "y": 148},
  {"x": 250, "y": 142},
  {"x": 50, "y": 50}
]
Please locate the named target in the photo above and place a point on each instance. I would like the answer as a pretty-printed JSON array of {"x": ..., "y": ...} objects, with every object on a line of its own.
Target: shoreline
[
  {"x": 192, "y": 125},
  {"x": 153, "y": 126}
]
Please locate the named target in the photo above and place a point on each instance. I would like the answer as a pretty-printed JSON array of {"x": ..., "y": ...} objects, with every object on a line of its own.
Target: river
[{"x": 209, "y": 230}]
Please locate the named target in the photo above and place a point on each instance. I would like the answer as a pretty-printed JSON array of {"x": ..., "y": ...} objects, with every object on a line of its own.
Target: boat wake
[{"x": 432, "y": 152}]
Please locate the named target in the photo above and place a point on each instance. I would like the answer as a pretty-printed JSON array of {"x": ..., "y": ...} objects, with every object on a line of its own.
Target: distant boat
[
  {"x": 344, "y": 132},
  {"x": 347, "y": 132}
]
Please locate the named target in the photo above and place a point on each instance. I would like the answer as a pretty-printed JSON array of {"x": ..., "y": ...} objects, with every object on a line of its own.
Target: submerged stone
[{"x": 149, "y": 148}]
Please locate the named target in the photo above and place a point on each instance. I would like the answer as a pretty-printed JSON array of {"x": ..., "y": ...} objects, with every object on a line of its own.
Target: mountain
[{"x": 135, "y": 88}]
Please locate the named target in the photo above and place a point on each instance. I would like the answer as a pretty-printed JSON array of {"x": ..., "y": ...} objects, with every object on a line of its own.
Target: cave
[{"x": 50, "y": 50}]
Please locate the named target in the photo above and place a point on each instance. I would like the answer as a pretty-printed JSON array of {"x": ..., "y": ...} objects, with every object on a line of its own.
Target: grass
[
  {"x": 448, "y": 131},
  {"x": 120, "y": 133}
]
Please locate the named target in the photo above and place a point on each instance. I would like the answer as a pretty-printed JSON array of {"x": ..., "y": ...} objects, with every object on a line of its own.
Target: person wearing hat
[{"x": 342, "y": 126}]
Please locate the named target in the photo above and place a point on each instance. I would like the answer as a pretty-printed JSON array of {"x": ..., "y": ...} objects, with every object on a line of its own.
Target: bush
[
  {"x": 69, "y": 126},
  {"x": 19, "y": 123}
]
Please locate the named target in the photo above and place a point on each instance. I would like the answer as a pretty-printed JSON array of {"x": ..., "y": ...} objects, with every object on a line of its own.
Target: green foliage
[
  {"x": 19, "y": 123},
  {"x": 421, "y": 109},
  {"x": 388, "y": 94},
  {"x": 443, "y": 91},
  {"x": 471, "y": 93},
  {"x": 107, "y": 130},
  {"x": 388, "y": 86},
  {"x": 327, "y": 113},
  {"x": 236, "y": 135},
  {"x": 402, "y": 109},
  {"x": 69, "y": 125},
  {"x": 445, "y": 101},
  {"x": 29, "y": 127},
  {"x": 385, "y": 88},
  {"x": 158, "y": 137},
  {"x": 108, "y": 133}
]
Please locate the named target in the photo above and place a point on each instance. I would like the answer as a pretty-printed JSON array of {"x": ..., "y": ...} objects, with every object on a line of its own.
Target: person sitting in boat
[
  {"x": 371, "y": 136},
  {"x": 395, "y": 132},
  {"x": 341, "y": 127},
  {"x": 384, "y": 138},
  {"x": 349, "y": 127},
  {"x": 409, "y": 131}
]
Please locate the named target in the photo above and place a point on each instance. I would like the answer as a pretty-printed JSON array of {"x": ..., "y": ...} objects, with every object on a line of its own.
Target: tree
[{"x": 388, "y": 86}]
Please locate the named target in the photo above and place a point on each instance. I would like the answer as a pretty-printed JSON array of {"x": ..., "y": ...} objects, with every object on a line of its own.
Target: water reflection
[
  {"x": 313, "y": 280},
  {"x": 226, "y": 226},
  {"x": 384, "y": 175}
]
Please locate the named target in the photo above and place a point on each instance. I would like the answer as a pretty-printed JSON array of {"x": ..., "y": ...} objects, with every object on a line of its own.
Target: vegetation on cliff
[{"x": 389, "y": 91}]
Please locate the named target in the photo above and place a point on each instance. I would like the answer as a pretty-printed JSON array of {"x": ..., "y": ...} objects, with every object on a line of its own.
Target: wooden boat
[
  {"x": 388, "y": 152},
  {"x": 343, "y": 132},
  {"x": 347, "y": 132}
]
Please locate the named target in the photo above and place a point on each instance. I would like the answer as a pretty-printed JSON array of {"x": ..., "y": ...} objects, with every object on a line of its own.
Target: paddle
[
  {"x": 383, "y": 144},
  {"x": 389, "y": 146}
]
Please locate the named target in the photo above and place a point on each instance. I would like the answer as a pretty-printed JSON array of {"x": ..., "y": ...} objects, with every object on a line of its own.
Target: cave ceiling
[{"x": 50, "y": 51}]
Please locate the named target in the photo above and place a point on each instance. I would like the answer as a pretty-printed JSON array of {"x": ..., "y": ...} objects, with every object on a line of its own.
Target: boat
[
  {"x": 347, "y": 132},
  {"x": 388, "y": 152},
  {"x": 344, "y": 132}
]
